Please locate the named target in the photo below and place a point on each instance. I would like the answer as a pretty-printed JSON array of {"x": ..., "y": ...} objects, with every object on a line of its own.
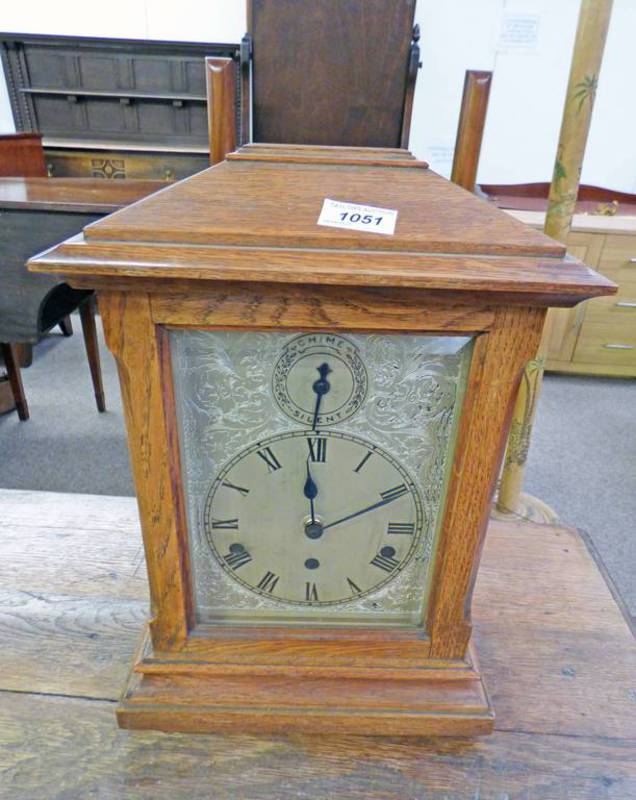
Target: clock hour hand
[
  {"x": 311, "y": 492},
  {"x": 390, "y": 497},
  {"x": 320, "y": 387}
]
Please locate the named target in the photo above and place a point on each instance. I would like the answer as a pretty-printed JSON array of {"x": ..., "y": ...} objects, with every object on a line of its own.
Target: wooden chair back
[
  {"x": 470, "y": 129},
  {"x": 323, "y": 72},
  {"x": 220, "y": 80},
  {"x": 22, "y": 155},
  {"x": 329, "y": 72}
]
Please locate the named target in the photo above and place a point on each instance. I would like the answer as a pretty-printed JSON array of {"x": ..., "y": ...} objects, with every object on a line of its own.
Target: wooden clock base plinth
[{"x": 437, "y": 699}]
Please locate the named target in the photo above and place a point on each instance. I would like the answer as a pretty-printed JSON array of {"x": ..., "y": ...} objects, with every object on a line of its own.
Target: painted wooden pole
[{"x": 591, "y": 34}]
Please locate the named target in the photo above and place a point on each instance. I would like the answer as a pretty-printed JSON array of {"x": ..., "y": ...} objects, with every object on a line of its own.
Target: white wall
[{"x": 528, "y": 87}]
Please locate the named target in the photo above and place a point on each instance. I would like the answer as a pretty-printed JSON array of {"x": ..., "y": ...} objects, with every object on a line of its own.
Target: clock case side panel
[
  {"x": 499, "y": 357},
  {"x": 140, "y": 350}
]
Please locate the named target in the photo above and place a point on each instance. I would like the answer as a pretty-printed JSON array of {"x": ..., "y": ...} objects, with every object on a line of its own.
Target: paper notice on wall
[
  {"x": 519, "y": 33},
  {"x": 440, "y": 158}
]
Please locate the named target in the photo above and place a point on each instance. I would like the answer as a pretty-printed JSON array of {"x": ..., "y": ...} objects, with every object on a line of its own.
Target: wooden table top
[
  {"x": 78, "y": 195},
  {"x": 557, "y": 655}
]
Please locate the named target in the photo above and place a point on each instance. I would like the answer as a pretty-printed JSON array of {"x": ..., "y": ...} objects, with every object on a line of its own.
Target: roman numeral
[
  {"x": 401, "y": 527},
  {"x": 311, "y": 592},
  {"x": 239, "y": 489},
  {"x": 268, "y": 582},
  {"x": 237, "y": 557},
  {"x": 386, "y": 562},
  {"x": 270, "y": 459},
  {"x": 363, "y": 462},
  {"x": 225, "y": 524},
  {"x": 355, "y": 589},
  {"x": 392, "y": 494},
  {"x": 317, "y": 449}
]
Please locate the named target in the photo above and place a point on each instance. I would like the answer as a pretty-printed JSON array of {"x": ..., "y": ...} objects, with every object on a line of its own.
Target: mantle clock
[{"x": 316, "y": 415}]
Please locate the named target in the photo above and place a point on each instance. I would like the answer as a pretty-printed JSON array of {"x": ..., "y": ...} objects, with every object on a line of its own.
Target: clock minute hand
[{"x": 391, "y": 496}]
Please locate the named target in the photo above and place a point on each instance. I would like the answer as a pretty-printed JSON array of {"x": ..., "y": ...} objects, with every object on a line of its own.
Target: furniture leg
[
  {"x": 87, "y": 316},
  {"x": 7, "y": 401},
  {"x": 24, "y": 353},
  {"x": 66, "y": 326},
  {"x": 13, "y": 371}
]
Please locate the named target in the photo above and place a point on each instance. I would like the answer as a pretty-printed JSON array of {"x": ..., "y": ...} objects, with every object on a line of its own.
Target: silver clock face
[
  {"x": 315, "y": 470},
  {"x": 314, "y": 518}
]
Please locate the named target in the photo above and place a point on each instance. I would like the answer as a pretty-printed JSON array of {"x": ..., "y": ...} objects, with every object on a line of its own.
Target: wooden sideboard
[{"x": 597, "y": 337}]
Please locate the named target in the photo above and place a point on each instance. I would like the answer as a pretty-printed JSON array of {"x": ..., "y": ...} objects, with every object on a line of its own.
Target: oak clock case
[
  {"x": 314, "y": 471},
  {"x": 316, "y": 420}
]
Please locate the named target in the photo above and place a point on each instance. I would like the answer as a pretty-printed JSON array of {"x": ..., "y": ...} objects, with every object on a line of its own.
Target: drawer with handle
[
  {"x": 117, "y": 165},
  {"x": 606, "y": 343},
  {"x": 618, "y": 258},
  {"x": 618, "y": 310}
]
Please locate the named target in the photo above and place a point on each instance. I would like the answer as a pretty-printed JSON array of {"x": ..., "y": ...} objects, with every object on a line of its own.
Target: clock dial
[
  {"x": 315, "y": 468},
  {"x": 337, "y": 360},
  {"x": 313, "y": 518}
]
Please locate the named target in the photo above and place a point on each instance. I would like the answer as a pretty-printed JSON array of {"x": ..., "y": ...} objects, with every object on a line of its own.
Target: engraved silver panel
[{"x": 225, "y": 402}]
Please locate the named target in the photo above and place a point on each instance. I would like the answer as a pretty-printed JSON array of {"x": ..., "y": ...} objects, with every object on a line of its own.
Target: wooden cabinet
[
  {"x": 113, "y": 108},
  {"x": 599, "y": 336},
  {"x": 115, "y": 164},
  {"x": 566, "y": 322}
]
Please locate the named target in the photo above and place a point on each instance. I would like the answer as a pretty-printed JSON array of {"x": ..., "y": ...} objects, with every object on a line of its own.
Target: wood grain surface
[
  {"x": 470, "y": 128},
  {"x": 131, "y": 337},
  {"x": 253, "y": 218},
  {"x": 81, "y": 195},
  {"x": 497, "y": 279},
  {"x": 351, "y": 160},
  {"x": 220, "y": 80},
  {"x": 496, "y": 369},
  {"x": 330, "y": 72},
  {"x": 273, "y": 203},
  {"x": 558, "y": 658},
  {"x": 289, "y": 307},
  {"x": 22, "y": 154},
  {"x": 372, "y": 153}
]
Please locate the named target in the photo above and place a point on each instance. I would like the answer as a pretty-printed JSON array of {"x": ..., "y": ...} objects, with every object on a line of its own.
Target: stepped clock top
[{"x": 254, "y": 217}]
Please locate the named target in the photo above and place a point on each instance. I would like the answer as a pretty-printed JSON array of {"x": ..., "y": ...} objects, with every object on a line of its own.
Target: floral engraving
[{"x": 225, "y": 392}]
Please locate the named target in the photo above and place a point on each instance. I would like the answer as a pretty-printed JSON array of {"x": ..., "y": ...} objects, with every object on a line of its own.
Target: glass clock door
[{"x": 315, "y": 469}]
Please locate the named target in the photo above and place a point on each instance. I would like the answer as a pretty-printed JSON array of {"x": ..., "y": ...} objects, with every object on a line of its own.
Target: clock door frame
[{"x": 136, "y": 320}]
